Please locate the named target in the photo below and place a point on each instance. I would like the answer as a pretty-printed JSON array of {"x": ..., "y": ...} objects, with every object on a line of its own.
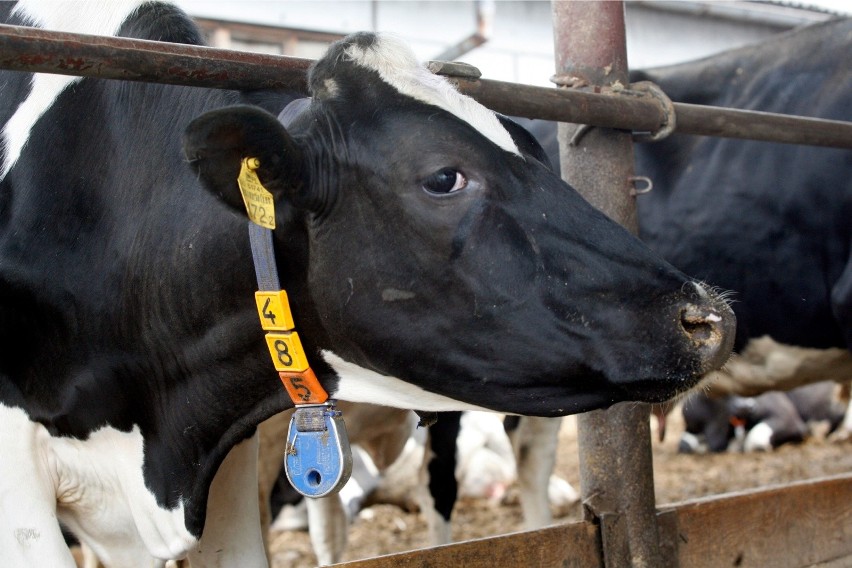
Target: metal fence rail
[{"x": 43, "y": 51}]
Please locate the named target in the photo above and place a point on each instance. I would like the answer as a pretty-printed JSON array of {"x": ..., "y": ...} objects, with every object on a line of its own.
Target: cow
[
  {"x": 759, "y": 423},
  {"x": 769, "y": 222},
  {"x": 749, "y": 424},
  {"x": 431, "y": 260}
]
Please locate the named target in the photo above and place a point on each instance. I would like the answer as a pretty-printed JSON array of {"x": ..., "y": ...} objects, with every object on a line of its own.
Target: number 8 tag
[{"x": 286, "y": 351}]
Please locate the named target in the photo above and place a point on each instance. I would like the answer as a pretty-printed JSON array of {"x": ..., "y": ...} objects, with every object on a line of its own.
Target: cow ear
[
  {"x": 525, "y": 141},
  {"x": 216, "y": 143}
]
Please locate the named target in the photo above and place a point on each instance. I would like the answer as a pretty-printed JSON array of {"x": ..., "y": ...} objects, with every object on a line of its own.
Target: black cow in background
[{"x": 772, "y": 223}]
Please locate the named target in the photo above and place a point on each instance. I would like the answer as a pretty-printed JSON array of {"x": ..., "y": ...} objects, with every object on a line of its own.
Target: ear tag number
[
  {"x": 318, "y": 460},
  {"x": 259, "y": 203},
  {"x": 273, "y": 308},
  {"x": 287, "y": 352}
]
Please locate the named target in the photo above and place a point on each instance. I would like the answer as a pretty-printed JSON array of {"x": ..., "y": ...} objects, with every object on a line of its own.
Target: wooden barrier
[
  {"x": 794, "y": 525},
  {"x": 799, "y": 524}
]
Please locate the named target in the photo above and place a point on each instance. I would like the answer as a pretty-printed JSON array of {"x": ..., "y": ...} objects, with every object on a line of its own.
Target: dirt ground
[{"x": 384, "y": 529}]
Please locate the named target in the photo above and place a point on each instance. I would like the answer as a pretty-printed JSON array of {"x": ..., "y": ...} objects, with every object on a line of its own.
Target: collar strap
[{"x": 273, "y": 307}]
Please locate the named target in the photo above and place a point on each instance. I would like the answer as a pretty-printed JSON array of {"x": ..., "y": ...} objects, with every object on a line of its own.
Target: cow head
[{"x": 423, "y": 237}]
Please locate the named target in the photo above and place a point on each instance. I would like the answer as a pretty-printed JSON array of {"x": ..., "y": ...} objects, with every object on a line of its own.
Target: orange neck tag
[{"x": 303, "y": 387}]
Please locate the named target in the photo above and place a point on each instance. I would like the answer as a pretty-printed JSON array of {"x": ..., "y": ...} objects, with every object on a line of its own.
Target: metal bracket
[
  {"x": 641, "y": 89},
  {"x": 454, "y": 69},
  {"x": 647, "y": 88},
  {"x": 646, "y": 185}
]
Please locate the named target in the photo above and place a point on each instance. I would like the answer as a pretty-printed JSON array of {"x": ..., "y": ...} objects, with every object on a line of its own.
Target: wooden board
[
  {"x": 574, "y": 545},
  {"x": 795, "y": 525}
]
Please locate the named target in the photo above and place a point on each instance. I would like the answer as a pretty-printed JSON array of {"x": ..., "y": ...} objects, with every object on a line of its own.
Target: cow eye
[{"x": 446, "y": 180}]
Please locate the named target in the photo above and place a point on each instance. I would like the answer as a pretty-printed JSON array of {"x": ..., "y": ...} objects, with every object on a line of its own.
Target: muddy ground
[{"x": 384, "y": 529}]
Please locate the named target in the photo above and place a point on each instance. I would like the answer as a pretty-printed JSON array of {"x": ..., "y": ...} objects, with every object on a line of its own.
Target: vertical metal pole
[{"x": 616, "y": 473}]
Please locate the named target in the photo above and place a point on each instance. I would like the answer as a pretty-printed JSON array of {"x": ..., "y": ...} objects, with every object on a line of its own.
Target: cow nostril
[
  {"x": 700, "y": 330},
  {"x": 710, "y": 328},
  {"x": 701, "y": 326}
]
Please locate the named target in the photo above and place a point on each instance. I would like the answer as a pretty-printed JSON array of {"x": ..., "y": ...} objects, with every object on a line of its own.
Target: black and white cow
[
  {"x": 475, "y": 455},
  {"x": 760, "y": 423},
  {"x": 432, "y": 262},
  {"x": 749, "y": 424}
]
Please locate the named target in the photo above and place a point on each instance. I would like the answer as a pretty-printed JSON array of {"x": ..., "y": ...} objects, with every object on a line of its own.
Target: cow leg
[
  {"x": 439, "y": 474},
  {"x": 29, "y": 532},
  {"x": 272, "y": 434},
  {"x": 534, "y": 441},
  {"x": 89, "y": 558},
  {"x": 841, "y": 302},
  {"x": 328, "y": 527},
  {"x": 844, "y": 432},
  {"x": 232, "y": 534}
]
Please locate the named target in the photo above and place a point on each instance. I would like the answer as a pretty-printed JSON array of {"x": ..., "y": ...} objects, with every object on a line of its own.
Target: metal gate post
[{"x": 616, "y": 473}]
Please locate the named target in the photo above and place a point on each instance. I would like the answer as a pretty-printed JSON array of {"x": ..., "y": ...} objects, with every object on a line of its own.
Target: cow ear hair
[{"x": 216, "y": 143}]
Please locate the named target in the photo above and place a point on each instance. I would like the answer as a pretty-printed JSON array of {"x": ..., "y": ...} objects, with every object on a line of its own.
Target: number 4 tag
[{"x": 273, "y": 308}]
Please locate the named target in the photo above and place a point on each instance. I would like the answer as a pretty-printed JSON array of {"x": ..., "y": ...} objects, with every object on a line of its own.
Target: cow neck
[{"x": 273, "y": 307}]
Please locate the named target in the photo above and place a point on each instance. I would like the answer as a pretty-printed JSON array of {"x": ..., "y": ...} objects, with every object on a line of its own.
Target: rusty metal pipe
[
  {"x": 565, "y": 105},
  {"x": 766, "y": 126},
  {"x": 42, "y": 51},
  {"x": 616, "y": 471}
]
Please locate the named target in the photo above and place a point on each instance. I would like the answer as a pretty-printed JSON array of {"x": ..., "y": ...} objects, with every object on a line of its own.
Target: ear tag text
[{"x": 259, "y": 203}]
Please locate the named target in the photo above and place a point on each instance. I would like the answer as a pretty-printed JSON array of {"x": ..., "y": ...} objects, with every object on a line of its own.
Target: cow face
[{"x": 437, "y": 247}]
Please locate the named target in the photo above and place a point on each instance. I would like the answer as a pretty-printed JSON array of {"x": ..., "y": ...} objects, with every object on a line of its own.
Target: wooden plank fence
[{"x": 807, "y": 523}]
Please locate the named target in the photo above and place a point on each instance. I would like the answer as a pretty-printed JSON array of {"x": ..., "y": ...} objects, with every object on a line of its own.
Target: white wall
[{"x": 521, "y": 48}]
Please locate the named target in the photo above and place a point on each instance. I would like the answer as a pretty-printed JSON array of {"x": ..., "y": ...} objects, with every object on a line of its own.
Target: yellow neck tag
[{"x": 258, "y": 201}]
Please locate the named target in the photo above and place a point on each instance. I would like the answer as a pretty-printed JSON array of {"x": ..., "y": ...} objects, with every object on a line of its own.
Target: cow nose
[{"x": 710, "y": 328}]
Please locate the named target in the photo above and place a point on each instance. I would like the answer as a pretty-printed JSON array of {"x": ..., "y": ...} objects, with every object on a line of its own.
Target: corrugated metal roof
[{"x": 775, "y": 13}]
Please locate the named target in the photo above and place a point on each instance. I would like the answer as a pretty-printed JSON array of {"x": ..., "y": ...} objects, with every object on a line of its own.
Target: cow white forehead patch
[
  {"x": 395, "y": 63},
  {"x": 80, "y": 16}
]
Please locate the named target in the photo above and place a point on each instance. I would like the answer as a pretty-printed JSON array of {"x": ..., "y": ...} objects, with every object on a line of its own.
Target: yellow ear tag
[{"x": 258, "y": 201}]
